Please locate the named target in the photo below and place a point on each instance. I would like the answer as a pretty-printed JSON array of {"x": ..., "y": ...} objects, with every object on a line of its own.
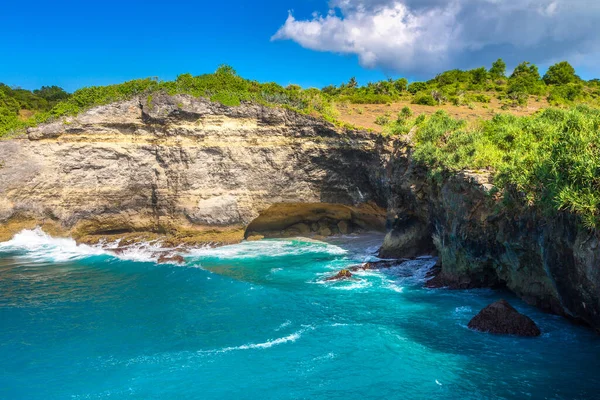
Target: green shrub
[
  {"x": 417, "y": 87},
  {"x": 565, "y": 94},
  {"x": 551, "y": 158},
  {"x": 382, "y": 120},
  {"x": 498, "y": 70},
  {"x": 227, "y": 98},
  {"x": 526, "y": 80},
  {"x": 480, "y": 98},
  {"x": 405, "y": 113},
  {"x": 425, "y": 99}
]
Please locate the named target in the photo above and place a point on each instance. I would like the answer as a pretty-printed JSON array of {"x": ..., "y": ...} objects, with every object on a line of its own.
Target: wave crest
[{"x": 39, "y": 246}]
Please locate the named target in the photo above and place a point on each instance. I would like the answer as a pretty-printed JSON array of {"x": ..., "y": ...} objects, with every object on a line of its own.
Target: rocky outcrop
[
  {"x": 550, "y": 262},
  {"x": 166, "y": 259},
  {"x": 485, "y": 240},
  {"x": 193, "y": 170},
  {"x": 343, "y": 274},
  {"x": 501, "y": 318}
]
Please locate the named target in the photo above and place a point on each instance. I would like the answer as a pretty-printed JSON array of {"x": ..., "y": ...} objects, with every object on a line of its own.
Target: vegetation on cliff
[
  {"x": 551, "y": 159},
  {"x": 223, "y": 86},
  {"x": 21, "y": 108},
  {"x": 560, "y": 85}
]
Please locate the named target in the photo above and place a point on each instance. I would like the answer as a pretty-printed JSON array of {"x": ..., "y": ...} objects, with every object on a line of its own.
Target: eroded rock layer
[{"x": 186, "y": 167}]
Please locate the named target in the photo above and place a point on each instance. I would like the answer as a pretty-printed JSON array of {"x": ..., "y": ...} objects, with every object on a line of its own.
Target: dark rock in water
[
  {"x": 165, "y": 259},
  {"x": 343, "y": 274},
  {"x": 383, "y": 264},
  {"x": 500, "y": 317}
]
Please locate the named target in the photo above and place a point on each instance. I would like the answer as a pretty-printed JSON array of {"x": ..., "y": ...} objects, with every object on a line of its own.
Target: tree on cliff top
[
  {"x": 561, "y": 73},
  {"x": 498, "y": 69}
]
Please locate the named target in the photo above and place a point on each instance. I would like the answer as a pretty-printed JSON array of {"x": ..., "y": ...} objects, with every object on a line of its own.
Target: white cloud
[{"x": 424, "y": 36}]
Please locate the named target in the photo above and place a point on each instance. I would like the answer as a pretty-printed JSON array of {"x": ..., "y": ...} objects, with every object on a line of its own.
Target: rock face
[
  {"x": 193, "y": 169},
  {"x": 501, "y": 318},
  {"x": 549, "y": 262},
  {"x": 411, "y": 237}
]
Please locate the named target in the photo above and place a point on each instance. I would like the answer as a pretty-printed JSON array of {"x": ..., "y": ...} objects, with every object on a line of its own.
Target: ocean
[{"x": 257, "y": 320}]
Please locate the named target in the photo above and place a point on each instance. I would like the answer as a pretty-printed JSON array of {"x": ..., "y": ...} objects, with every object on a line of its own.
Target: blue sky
[{"x": 78, "y": 43}]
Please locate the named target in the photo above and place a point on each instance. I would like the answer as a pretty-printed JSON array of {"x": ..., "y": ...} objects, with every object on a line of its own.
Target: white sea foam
[
  {"x": 143, "y": 252},
  {"x": 328, "y": 356},
  {"x": 285, "y": 324},
  {"x": 269, "y": 343},
  {"x": 354, "y": 285},
  {"x": 264, "y": 345},
  {"x": 268, "y": 248},
  {"x": 463, "y": 309},
  {"x": 413, "y": 271},
  {"x": 367, "y": 273},
  {"x": 395, "y": 288},
  {"x": 37, "y": 245}
]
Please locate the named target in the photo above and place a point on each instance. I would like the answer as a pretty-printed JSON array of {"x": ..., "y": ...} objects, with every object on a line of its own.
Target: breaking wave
[
  {"x": 268, "y": 248},
  {"x": 37, "y": 245}
]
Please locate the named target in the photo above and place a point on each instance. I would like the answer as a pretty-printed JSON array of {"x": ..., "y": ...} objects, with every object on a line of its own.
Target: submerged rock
[
  {"x": 343, "y": 274},
  {"x": 502, "y": 318},
  {"x": 382, "y": 264},
  {"x": 176, "y": 259}
]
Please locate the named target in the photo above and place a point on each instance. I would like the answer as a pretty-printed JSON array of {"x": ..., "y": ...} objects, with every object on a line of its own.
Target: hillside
[
  {"x": 366, "y": 115},
  {"x": 471, "y": 95}
]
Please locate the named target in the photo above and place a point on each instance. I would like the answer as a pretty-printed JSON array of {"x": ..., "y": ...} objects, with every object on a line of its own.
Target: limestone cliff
[
  {"x": 551, "y": 262},
  {"x": 192, "y": 169}
]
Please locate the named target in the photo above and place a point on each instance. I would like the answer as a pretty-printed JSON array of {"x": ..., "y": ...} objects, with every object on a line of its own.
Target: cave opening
[{"x": 316, "y": 219}]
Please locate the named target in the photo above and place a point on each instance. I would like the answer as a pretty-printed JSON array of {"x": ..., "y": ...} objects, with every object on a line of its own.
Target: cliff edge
[{"x": 192, "y": 170}]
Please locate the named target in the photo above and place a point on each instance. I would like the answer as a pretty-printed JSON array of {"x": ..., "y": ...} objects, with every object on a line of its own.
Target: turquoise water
[{"x": 255, "y": 320}]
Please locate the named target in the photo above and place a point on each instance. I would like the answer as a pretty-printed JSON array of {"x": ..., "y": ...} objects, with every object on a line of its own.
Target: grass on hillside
[
  {"x": 560, "y": 86},
  {"x": 224, "y": 86},
  {"x": 551, "y": 159}
]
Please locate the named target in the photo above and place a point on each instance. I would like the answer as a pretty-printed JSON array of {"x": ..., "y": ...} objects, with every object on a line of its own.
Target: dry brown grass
[
  {"x": 364, "y": 115},
  {"x": 24, "y": 115}
]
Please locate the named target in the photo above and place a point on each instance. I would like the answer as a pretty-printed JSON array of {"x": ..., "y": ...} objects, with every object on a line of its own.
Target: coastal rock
[
  {"x": 343, "y": 227},
  {"x": 382, "y": 264},
  {"x": 550, "y": 262},
  {"x": 192, "y": 169},
  {"x": 410, "y": 237},
  {"x": 343, "y": 274},
  {"x": 166, "y": 259},
  {"x": 501, "y": 318}
]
